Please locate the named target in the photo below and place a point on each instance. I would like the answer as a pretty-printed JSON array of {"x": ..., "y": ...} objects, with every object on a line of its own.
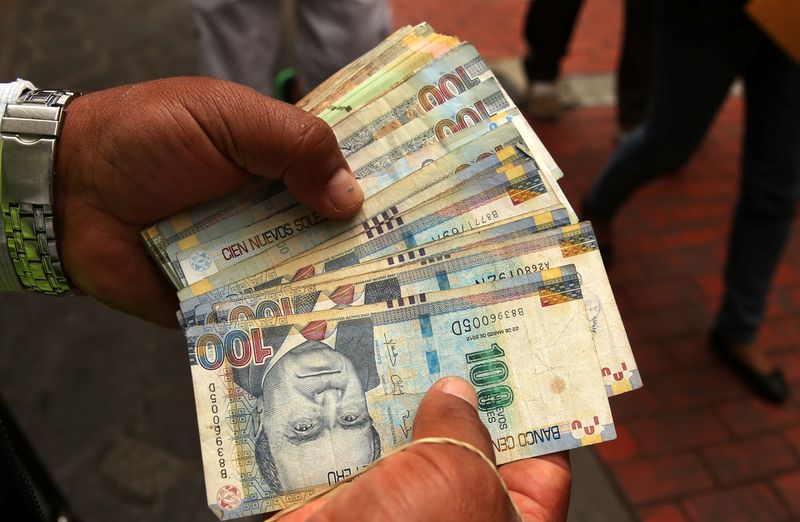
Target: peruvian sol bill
[{"x": 289, "y": 405}]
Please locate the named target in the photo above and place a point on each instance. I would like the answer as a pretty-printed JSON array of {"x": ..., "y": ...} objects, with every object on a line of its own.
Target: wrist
[{"x": 66, "y": 170}]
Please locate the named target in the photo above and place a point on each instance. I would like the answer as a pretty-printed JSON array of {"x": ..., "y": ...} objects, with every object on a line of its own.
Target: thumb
[
  {"x": 450, "y": 409},
  {"x": 278, "y": 141},
  {"x": 427, "y": 482}
]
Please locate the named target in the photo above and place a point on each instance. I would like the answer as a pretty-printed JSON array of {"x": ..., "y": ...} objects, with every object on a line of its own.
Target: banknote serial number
[
  {"x": 471, "y": 324},
  {"x": 514, "y": 272},
  {"x": 472, "y": 224},
  {"x": 215, "y": 425}
]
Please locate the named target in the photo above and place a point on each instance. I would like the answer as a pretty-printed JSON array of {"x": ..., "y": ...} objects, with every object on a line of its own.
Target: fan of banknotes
[{"x": 311, "y": 342}]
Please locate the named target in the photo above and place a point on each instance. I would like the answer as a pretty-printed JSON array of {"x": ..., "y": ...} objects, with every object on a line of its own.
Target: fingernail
[
  {"x": 344, "y": 190},
  {"x": 460, "y": 388}
]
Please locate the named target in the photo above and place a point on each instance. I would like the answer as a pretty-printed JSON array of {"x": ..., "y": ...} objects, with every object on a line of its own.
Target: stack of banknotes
[{"x": 312, "y": 342}]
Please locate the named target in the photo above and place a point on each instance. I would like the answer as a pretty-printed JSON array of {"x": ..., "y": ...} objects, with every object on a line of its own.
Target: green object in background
[{"x": 284, "y": 84}]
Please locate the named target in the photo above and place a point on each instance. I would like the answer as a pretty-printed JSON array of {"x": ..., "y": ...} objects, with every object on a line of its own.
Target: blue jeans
[{"x": 701, "y": 46}]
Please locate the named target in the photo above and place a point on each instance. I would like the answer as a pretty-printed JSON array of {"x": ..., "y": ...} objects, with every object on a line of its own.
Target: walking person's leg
[
  {"x": 548, "y": 30},
  {"x": 764, "y": 214},
  {"x": 238, "y": 40},
  {"x": 330, "y": 35},
  {"x": 698, "y": 54},
  {"x": 635, "y": 71}
]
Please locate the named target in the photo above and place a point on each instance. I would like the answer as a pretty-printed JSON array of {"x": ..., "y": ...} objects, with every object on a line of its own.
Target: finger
[
  {"x": 429, "y": 482},
  {"x": 279, "y": 141},
  {"x": 540, "y": 486},
  {"x": 119, "y": 274},
  {"x": 449, "y": 409}
]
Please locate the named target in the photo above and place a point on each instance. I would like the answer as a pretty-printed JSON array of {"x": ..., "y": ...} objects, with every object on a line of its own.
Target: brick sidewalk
[{"x": 693, "y": 443}]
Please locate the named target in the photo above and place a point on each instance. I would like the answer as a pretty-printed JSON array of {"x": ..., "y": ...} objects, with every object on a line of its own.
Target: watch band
[{"x": 29, "y": 130}]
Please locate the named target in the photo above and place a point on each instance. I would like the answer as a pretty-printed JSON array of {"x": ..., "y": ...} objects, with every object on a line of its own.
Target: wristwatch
[{"x": 29, "y": 131}]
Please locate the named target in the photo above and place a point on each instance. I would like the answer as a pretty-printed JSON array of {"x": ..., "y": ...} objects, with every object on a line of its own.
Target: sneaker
[{"x": 542, "y": 101}]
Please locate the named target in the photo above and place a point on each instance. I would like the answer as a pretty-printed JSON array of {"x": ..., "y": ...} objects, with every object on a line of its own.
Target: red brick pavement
[{"x": 693, "y": 444}]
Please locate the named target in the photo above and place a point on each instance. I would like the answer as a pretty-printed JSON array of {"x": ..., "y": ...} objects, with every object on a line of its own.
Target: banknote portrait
[{"x": 312, "y": 417}]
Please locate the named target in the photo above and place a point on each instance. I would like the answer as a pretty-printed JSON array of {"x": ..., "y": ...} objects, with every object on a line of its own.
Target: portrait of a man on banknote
[{"x": 312, "y": 416}]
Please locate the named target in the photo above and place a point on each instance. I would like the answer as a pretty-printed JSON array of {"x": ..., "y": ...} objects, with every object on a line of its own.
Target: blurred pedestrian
[
  {"x": 548, "y": 30},
  {"x": 700, "y": 48},
  {"x": 239, "y": 40}
]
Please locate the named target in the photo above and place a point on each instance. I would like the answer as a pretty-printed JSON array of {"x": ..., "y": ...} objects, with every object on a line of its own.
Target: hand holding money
[
  {"x": 312, "y": 342},
  {"x": 132, "y": 155},
  {"x": 104, "y": 202},
  {"x": 411, "y": 485}
]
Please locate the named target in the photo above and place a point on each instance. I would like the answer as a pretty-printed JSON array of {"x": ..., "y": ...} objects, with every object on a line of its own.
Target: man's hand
[
  {"x": 440, "y": 483},
  {"x": 133, "y": 155}
]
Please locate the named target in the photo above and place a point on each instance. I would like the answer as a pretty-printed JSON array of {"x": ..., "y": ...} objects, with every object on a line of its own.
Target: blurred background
[{"x": 106, "y": 399}]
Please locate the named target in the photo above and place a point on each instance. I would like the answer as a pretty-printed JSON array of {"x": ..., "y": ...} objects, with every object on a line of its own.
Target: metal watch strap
[{"x": 29, "y": 129}]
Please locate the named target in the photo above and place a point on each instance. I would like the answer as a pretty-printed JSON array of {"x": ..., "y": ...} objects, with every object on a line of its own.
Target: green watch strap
[{"x": 32, "y": 246}]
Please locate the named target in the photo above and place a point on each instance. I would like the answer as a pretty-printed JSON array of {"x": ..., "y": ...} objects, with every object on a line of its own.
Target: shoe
[
  {"x": 770, "y": 386},
  {"x": 542, "y": 101}
]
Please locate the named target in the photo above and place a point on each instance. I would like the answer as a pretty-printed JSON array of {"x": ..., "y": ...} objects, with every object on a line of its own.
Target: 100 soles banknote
[
  {"x": 572, "y": 244},
  {"x": 289, "y": 405},
  {"x": 492, "y": 193},
  {"x": 455, "y": 151},
  {"x": 490, "y": 199},
  {"x": 300, "y": 229},
  {"x": 198, "y": 310}
]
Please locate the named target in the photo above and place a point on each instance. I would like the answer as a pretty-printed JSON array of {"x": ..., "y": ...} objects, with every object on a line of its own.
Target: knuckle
[
  {"x": 309, "y": 148},
  {"x": 314, "y": 137}
]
